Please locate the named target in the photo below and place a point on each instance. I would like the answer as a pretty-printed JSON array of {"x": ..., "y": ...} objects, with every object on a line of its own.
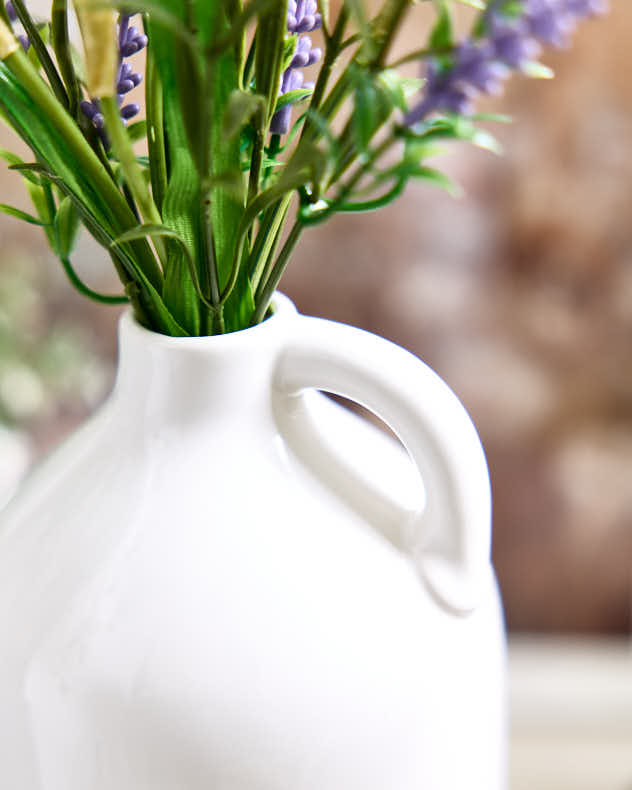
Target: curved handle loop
[{"x": 450, "y": 540}]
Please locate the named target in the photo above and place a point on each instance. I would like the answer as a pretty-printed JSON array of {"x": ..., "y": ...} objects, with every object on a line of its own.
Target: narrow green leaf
[
  {"x": 271, "y": 28},
  {"x": 39, "y": 47},
  {"x": 137, "y": 131},
  {"x": 67, "y": 225},
  {"x": 147, "y": 301},
  {"x": 19, "y": 214},
  {"x": 63, "y": 53},
  {"x": 442, "y": 34},
  {"x": 160, "y": 231},
  {"x": 438, "y": 178},
  {"x": 399, "y": 88},
  {"x": 538, "y": 71},
  {"x": 492, "y": 116},
  {"x": 293, "y": 97}
]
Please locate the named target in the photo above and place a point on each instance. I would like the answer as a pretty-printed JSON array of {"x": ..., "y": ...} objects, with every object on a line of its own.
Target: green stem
[
  {"x": 122, "y": 146},
  {"x": 332, "y": 50},
  {"x": 62, "y": 48},
  {"x": 42, "y": 53},
  {"x": 245, "y": 78},
  {"x": 156, "y": 133},
  {"x": 419, "y": 54},
  {"x": 385, "y": 26},
  {"x": 270, "y": 239},
  {"x": 210, "y": 258},
  {"x": 272, "y": 282},
  {"x": 83, "y": 289},
  {"x": 256, "y": 161},
  {"x": 346, "y": 189},
  {"x": 272, "y": 153}
]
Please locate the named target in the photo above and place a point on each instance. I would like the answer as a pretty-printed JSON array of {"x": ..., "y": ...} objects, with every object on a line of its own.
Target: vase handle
[{"x": 449, "y": 540}]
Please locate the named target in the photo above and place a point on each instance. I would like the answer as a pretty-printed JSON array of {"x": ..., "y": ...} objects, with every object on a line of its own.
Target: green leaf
[
  {"x": 442, "y": 34},
  {"x": 60, "y": 147},
  {"x": 39, "y": 47},
  {"x": 436, "y": 177},
  {"x": 137, "y": 131},
  {"x": 153, "y": 231},
  {"x": 63, "y": 53},
  {"x": 293, "y": 97},
  {"x": 364, "y": 109},
  {"x": 374, "y": 99},
  {"x": 67, "y": 225},
  {"x": 193, "y": 109},
  {"x": 182, "y": 199},
  {"x": 240, "y": 109},
  {"x": 464, "y": 129},
  {"x": 537, "y": 70},
  {"x": 146, "y": 298},
  {"x": 269, "y": 53},
  {"x": 492, "y": 117},
  {"x": 19, "y": 214},
  {"x": 399, "y": 88}
]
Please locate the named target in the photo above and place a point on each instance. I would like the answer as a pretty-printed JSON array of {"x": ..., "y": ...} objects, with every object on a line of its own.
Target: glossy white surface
[{"x": 224, "y": 582}]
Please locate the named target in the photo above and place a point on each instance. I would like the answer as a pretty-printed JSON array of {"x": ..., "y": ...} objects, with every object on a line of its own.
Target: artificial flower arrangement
[{"x": 242, "y": 154}]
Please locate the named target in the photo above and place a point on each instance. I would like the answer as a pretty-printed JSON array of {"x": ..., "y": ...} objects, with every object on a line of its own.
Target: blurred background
[{"x": 520, "y": 296}]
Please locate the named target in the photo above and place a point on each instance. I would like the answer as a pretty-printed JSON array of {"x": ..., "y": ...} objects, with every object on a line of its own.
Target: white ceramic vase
[{"x": 224, "y": 581}]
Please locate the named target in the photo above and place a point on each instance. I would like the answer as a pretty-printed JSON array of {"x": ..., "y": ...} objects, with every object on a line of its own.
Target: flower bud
[
  {"x": 8, "y": 42},
  {"x": 98, "y": 30}
]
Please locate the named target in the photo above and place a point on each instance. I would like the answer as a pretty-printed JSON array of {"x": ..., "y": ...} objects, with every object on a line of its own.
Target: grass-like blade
[{"x": 19, "y": 214}]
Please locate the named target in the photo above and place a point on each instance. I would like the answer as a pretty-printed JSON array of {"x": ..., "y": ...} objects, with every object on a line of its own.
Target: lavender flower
[
  {"x": 475, "y": 71},
  {"x": 13, "y": 18},
  {"x": 302, "y": 18},
  {"x": 510, "y": 44},
  {"x": 130, "y": 41},
  {"x": 549, "y": 22}
]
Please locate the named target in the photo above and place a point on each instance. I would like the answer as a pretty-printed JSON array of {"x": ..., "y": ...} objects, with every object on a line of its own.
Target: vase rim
[{"x": 281, "y": 306}]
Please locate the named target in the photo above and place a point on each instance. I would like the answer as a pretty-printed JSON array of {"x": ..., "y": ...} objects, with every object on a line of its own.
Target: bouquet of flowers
[{"x": 242, "y": 151}]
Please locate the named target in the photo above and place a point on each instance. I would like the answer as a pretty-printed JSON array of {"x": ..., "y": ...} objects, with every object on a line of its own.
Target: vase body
[{"x": 224, "y": 581}]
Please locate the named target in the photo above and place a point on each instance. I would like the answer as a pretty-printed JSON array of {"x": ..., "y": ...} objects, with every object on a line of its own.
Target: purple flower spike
[
  {"x": 548, "y": 21},
  {"x": 92, "y": 110},
  {"x": 476, "y": 69},
  {"x": 510, "y": 43},
  {"x": 130, "y": 41},
  {"x": 303, "y": 16},
  {"x": 129, "y": 111}
]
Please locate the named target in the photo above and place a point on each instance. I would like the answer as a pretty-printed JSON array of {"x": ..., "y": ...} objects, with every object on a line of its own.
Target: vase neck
[{"x": 186, "y": 379}]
